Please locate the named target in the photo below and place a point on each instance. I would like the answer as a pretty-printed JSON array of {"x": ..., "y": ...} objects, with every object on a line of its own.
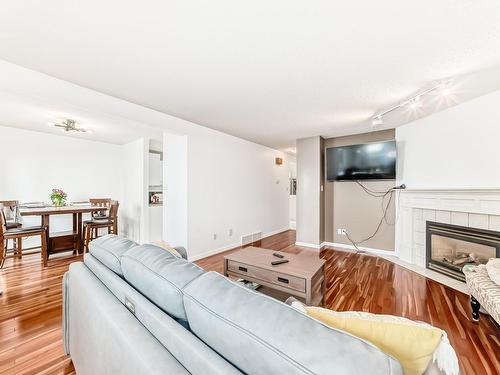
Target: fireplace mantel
[{"x": 479, "y": 201}]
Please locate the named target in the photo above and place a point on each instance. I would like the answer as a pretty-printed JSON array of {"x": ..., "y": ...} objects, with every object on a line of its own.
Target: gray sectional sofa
[{"x": 132, "y": 309}]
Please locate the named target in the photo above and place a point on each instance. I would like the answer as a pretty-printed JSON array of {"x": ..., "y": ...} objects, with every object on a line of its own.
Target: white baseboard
[
  {"x": 306, "y": 244},
  {"x": 230, "y": 246},
  {"x": 212, "y": 252},
  {"x": 368, "y": 249},
  {"x": 293, "y": 224}
]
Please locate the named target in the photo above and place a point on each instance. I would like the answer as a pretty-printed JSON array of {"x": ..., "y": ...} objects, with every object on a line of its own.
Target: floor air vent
[{"x": 252, "y": 237}]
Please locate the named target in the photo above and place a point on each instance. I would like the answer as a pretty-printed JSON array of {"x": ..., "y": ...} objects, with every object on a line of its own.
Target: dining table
[{"x": 65, "y": 240}]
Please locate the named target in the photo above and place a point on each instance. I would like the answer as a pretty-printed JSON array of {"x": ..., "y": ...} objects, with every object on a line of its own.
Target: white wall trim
[
  {"x": 293, "y": 224},
  {"x": 368, "y": 249},
  {"x": 230, "y": 246},
  {"x": 306, "y": 244}
]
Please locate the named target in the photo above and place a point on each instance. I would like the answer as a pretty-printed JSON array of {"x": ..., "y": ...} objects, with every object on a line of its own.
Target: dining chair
[
  {"x": 91, "y": 227},
  {"x": 16, "y": 234},
  {"x": 10, "y": 213}
]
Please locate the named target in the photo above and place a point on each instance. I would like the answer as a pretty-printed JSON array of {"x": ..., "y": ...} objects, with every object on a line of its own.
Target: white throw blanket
[{"x": 493, "y": 269}]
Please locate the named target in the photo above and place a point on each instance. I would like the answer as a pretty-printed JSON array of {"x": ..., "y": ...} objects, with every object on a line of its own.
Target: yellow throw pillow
[{"x": 411, "y": 343}]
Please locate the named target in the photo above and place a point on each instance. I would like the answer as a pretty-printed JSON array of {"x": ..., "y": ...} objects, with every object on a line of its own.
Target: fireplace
[{"x": 450, "y": 247}]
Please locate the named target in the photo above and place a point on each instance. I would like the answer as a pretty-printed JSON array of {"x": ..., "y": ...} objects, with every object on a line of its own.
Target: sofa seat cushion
[
  {"x": 108, "y": 250},
  {"x": 160, "y": 276},
  {"x": 261, "y": 335}
]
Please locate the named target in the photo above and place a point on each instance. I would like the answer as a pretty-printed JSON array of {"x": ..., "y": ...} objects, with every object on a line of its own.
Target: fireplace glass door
[{"x": 451, "y": 247}]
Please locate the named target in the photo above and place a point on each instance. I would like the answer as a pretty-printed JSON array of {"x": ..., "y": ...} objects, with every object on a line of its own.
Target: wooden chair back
[
  {"x": 113, "y": 211},
  {"x": 2, "y": 222},
  {"x": 9, "y": 205},
  {"x": 113, "y": 214},
  {"x": 100, "y": 202}
]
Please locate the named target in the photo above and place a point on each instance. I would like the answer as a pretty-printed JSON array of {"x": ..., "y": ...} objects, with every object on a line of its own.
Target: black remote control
[
  {"x": 278, "y": 255},
  {"x": 281, "y": 261}
]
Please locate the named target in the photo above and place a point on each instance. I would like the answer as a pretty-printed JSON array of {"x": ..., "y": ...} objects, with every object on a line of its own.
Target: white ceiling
[{"x": 267, "y": 71}]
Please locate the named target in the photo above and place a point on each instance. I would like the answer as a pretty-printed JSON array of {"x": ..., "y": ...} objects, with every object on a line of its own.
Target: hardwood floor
[
  {"x": 30, "y": 317},
  {"x": 30, "y": 308}
]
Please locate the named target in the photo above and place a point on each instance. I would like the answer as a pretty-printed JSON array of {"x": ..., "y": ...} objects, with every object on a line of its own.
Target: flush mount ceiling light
[
  {"x": 69, "y": 125},
  {"x": 413, "y": 102}
]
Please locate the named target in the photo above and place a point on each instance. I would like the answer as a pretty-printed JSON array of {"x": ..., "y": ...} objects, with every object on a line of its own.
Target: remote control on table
[
  {"x": 281, "y": 261},
  {"x": 278, "y": 255}
]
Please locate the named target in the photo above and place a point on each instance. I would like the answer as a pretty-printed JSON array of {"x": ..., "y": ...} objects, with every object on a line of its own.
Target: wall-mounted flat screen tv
[{"x": 372, "y": 161}]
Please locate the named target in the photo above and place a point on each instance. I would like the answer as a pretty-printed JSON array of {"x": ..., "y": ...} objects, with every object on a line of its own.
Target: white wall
[
  {"x": 134, "y": 218},
  {"x": 308, "y": 191},
  {"x": 232, "y": 184},
  {"x": 32, "y": 163},
  {"x": 455, "y": 148},
  {"x": 175, "y": 193}
]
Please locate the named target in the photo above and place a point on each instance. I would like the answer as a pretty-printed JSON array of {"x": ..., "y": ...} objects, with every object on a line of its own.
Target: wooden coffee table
[{"x": 303, "y": 276}]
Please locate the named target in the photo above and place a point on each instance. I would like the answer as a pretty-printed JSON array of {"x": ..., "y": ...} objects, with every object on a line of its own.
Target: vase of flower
[{"x": 58, "y": 197}]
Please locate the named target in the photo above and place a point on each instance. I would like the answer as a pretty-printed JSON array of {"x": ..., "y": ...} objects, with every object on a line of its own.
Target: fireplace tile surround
[{"x": 474, "y": 208}]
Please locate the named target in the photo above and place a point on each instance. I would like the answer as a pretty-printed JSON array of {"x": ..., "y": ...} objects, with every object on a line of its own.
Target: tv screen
[{"x": 372, "y": 161}]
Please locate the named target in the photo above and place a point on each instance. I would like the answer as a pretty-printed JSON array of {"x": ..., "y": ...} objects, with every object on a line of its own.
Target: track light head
[
  {"x": 416, "y": 103},
  {"x": 377, "y": 121},
  {"x": 445, "y": 91}
]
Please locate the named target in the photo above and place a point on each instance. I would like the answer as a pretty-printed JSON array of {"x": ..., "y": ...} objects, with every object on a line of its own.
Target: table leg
[
  {"x": 308, "y": 292},
  {"x": 75, "y": 230},
  {"x": 79, "y": 233},
  {"x": 46, "y": 224}
]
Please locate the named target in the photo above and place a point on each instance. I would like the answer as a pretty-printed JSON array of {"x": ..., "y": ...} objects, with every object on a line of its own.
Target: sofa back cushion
[
  {"x": 261, "y": 335},
  {"x": 197, "y": 357},
  {"x": 108, "y": 250},
  {"x": 160, "y": 276}
]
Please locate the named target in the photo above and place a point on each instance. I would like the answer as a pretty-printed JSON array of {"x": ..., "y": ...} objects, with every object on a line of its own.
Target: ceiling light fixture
[
  {"x": 69, "y": 125},
  {"x": 445, "y": 90},
  {"x": 414, "y": 102}
]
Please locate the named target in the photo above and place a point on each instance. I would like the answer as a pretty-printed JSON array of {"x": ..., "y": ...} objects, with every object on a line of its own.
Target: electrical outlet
[
  {"x": 344, "y": 232},
  {"x": 230, "y": 232},
  {"x": 215, "y": 236},
  {"x": 341, "y": 232}
]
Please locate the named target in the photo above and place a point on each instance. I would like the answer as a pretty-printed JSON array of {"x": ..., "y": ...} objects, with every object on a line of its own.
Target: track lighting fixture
[{"x": 413, "y": 102}]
